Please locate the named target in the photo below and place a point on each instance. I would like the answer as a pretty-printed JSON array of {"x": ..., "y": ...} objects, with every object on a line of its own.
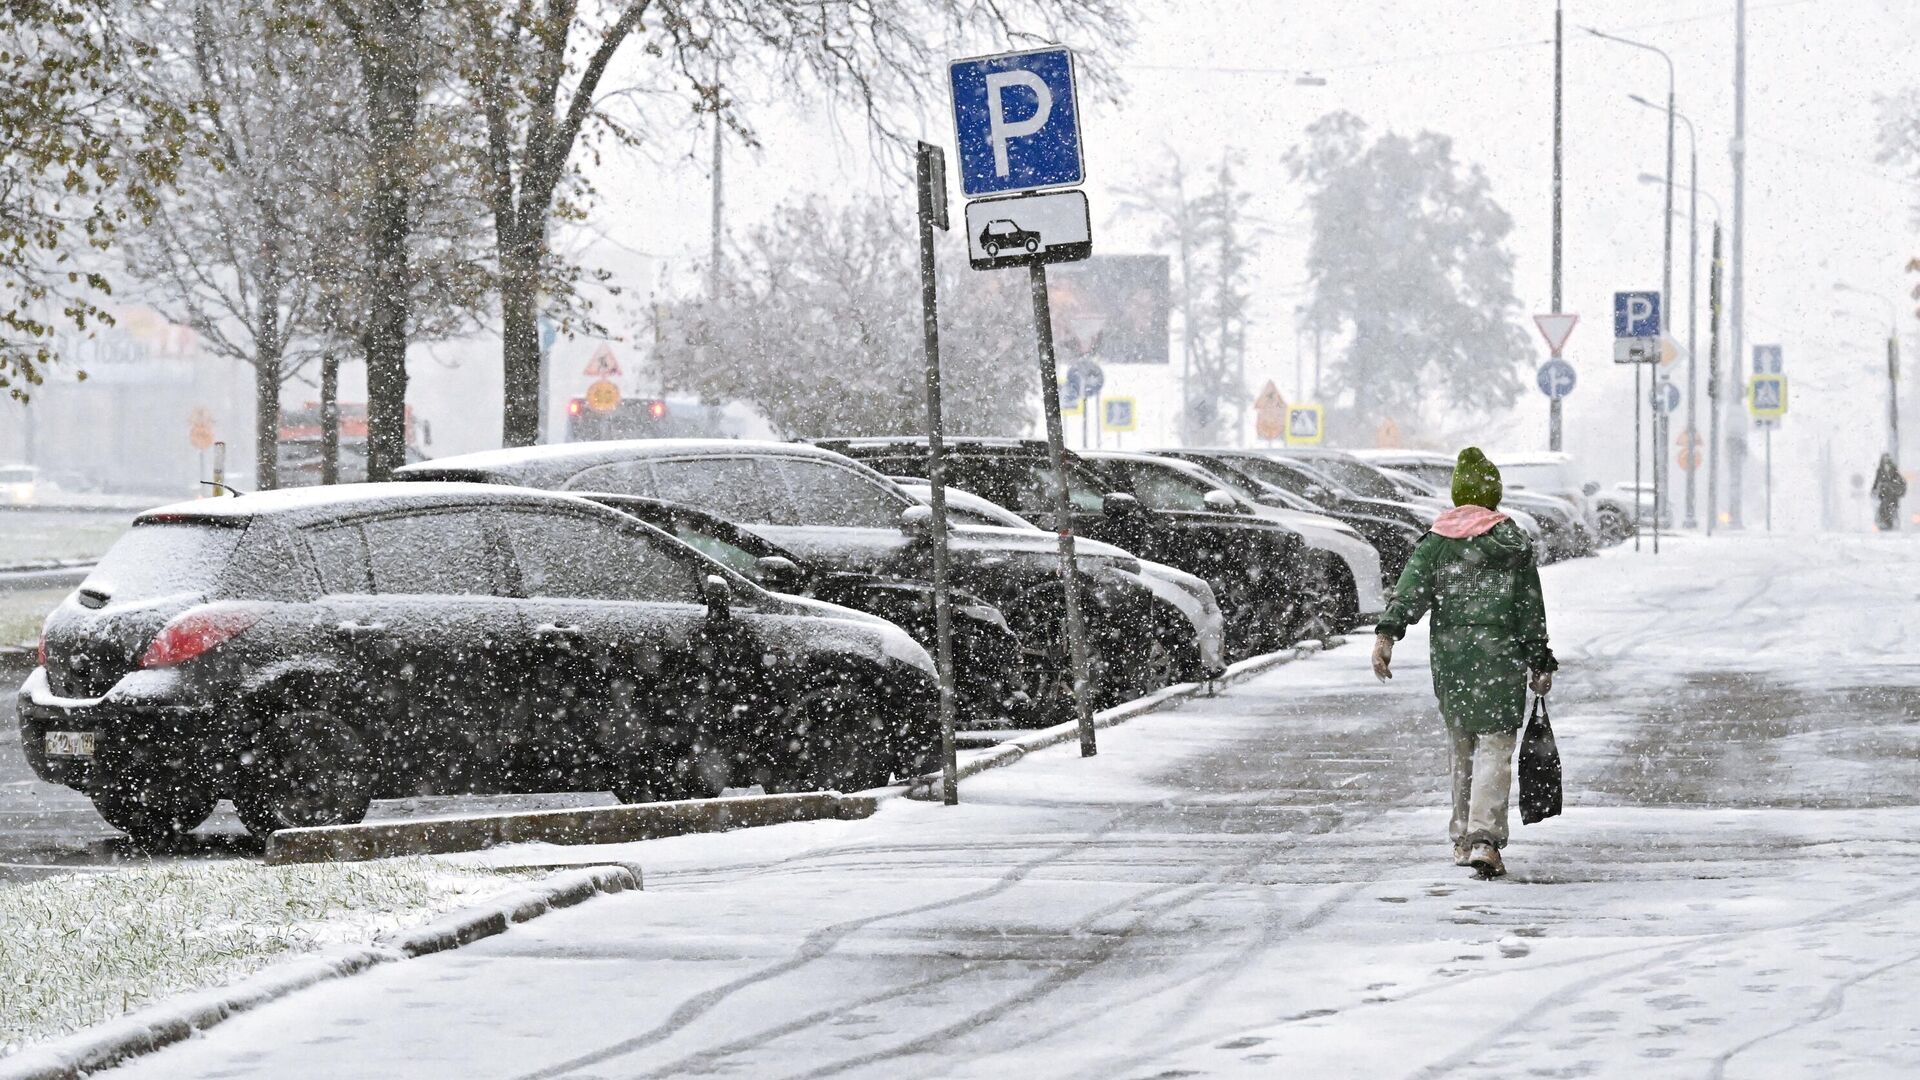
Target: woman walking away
[
  {"x": 1476, "y": 572},
  {"x": 1889, "y": 487}
]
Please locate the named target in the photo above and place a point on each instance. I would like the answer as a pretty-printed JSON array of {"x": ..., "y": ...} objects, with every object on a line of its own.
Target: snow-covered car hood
[{"x": 1326, "y": 534}]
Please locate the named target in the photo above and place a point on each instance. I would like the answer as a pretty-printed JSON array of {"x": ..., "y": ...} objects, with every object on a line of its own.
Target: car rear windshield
[{"x": 162, "y": 559}]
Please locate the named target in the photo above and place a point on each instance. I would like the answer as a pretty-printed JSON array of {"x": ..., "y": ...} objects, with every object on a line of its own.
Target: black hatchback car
[
  {"x": 303, "y": 652},
  {"x": 1258, "y": 569},
  {"x": 838, "y": 515}
]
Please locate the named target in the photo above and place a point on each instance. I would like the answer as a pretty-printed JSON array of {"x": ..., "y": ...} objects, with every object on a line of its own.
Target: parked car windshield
[
  {"x": 826, "y": 493},
  {"x": 742, "y": 489},
  {"x": 725, "y": 552},
  {"x": 1162, "y": 487},
  {"x": 1356, "y": 477},
  {"x": 163, "y": 559}
]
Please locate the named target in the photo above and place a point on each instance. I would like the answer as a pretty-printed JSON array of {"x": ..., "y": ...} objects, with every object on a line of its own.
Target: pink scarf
[{"x": 1463, "y": 522}]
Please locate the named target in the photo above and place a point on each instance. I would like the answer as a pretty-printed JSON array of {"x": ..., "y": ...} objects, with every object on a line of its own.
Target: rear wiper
[{"x": 228, "y": 488}]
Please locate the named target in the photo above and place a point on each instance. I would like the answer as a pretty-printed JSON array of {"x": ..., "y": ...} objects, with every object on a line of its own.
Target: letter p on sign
[
  {"x": 998, "y": 130},
  {"x": 1015, "y": 123}
]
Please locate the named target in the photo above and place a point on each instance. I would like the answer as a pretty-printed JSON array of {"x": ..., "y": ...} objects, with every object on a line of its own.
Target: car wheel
[
  {"x": 1033, "y": 245},
  {"x": 1048, "y": 670},
  {"x": 685, "y": 761},
  {"x": 309, "y": 767},
  {"x": 992, "y": 249},
  {"x": 1613, "y": 526},
  {"x": 149, "y": 799}
]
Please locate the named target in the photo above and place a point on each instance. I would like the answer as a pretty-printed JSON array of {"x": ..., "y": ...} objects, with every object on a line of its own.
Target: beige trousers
[{"x": 1482, "y": 784}]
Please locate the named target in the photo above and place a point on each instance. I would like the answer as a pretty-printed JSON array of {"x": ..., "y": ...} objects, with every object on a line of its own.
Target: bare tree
[
  {"x": 1211, "y": 241},
  {"x": 538, "y": 70},
  {"x": 817, "y": 324}
]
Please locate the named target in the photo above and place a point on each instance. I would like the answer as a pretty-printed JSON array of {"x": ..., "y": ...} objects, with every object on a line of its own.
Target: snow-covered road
[{"x": 1259, "y": 885}]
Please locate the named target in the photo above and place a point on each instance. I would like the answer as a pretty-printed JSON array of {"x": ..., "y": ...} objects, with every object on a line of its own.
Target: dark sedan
[
  {"x": 303, "y": 652},
  {"x": 1255, "y": 567},
  {"x": 837, "y": 514}
]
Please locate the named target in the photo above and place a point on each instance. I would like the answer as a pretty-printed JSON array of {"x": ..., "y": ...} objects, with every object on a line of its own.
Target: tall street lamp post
[{"x": 1666, "y": 293}]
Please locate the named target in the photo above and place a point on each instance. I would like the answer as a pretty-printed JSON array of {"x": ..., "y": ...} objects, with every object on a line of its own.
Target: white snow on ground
[
  {"x": 1258, "y": 885},
  {"x": 83, "y": 948}
]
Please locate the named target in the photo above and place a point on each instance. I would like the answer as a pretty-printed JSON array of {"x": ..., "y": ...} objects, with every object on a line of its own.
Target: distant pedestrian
[
  {"x": 1889, "y": 487},
  {"x": 1476, "y": 572}
]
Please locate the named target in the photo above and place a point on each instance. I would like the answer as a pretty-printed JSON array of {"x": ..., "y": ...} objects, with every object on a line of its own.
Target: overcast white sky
[{"x": 1215, "y": 73}]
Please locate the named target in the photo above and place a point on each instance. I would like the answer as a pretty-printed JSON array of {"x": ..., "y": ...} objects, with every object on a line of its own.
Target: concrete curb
[
  {"x": 591, "y": 825},
  {"x": 165, "y": 1023},
  {"x": 1012, "y": 750}
]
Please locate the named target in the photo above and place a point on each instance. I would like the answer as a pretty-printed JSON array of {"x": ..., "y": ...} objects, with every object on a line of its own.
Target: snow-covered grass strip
[{"x": 81, "y": 949}]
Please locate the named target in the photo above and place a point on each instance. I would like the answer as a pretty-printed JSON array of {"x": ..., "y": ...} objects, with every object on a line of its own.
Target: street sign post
[
  {"x": 1556, "y": 379},
  {"x": 1636, "y": 341},
  {"x": 1016, "y": 127},
  {"x": 1016, "y": 123},
  {"x": 931, "y": 184},
  {"x": 1556, "y": 327},
  {"x": 1306, "y": 425},
  {"x": 1767, "y": 401}
]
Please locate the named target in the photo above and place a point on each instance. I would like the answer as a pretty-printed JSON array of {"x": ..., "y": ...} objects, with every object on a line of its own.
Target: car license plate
[{"x": 70, "y": 743}]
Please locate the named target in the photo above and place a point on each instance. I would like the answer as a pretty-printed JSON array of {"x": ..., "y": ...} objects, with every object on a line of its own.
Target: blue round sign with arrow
[
  {"x": 1556, "y": 378},
  {"x": 1666, "y": 396}
]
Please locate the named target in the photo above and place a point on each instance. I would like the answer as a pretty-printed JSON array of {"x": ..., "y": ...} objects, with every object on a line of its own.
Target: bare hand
[
  {"x": 1382, "y": 657},
  {"x": 1542, "y": 683}
]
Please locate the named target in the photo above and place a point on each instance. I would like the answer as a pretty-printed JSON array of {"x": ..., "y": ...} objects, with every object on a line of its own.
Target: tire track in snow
[
  {"x": 817, "y": 944},
  {"x": 1830, "y": 1006}
]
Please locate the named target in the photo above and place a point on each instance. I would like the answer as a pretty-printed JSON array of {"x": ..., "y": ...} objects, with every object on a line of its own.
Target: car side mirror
[
  {"x": 779, "y": 573},
  {"x": 1591, "y": 487},
  {"x": 1218, "y": 499},
  {"x": 917, "y": 521},
  {"x": 719, "y": 597},
  {"x": 1118, "y": 504}
]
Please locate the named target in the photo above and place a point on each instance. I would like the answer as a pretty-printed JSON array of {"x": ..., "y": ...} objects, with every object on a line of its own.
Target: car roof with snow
[
  {"x": 295, "y": 505},
  {"x": 551, "y": 465}
]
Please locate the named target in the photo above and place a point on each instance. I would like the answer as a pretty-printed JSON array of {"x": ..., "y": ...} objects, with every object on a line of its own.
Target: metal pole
[
  {"x": 1062, "y": 509},
  {"x": 1713, "y": 385},
  {"x": 1893, "y": 394},
  {"x": 931, "y": 173},
  {"x": 1638, "y": 401},
  {"x": 1769, "y": 477},
  {"x": 1736, "y": 335},
  {"x": 1693, "y": 312},
  {"x": 713, "y": 258},
  {"x": 1554, "y": 428},
  {"x": 1666, "y": 302}
]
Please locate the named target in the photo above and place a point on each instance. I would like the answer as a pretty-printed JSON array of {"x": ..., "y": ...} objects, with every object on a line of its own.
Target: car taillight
[
  {"x": 193, "y": 633},
  {"x": 43, "y": 648}
]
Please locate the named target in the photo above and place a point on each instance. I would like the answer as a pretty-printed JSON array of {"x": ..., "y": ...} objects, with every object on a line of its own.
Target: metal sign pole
[
  {"x": 1636, "y": 457},
  {"x": 932, "y": 184},
  {"x": 1769, "y": 477},
  {"x": 1711, "y": 448},
  {"x": 1062, "y": 509},
  {"x": 1554, "y": 428}
]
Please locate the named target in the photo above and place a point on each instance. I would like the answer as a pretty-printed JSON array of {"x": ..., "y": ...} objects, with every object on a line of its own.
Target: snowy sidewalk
[{"x": 1259, "y": 885}]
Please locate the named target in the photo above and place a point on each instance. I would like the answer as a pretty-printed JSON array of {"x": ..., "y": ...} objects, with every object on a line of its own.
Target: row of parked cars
[{"x": 672, "y": 618}]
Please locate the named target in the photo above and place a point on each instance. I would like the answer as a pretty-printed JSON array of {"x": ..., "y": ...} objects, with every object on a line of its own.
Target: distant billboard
[{"x": 1111, "y": 308}]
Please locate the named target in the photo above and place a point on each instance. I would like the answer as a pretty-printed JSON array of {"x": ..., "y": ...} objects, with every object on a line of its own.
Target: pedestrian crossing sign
[
  {"x": 1118, "y": 414},
  {"x": 1305, "y": 425},
  {"x": 1767, "y": 396}
]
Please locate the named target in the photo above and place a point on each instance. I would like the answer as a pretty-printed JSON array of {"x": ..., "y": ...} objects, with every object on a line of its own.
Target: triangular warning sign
[
  {"x": 602, "y": 363},
  {"x": 1556, "y": 328},
  {"x": 1269, "y": 397}
]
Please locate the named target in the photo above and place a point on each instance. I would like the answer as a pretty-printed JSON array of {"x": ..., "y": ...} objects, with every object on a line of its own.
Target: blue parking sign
[
  {"x": 1015, "y": 122},
  {"x": 1636, "y": 315}
]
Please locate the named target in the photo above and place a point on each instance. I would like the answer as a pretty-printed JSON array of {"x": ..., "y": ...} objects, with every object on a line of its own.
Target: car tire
[
  {"x": 683, "y": 759},
  {"x": 992, "y": 250},
  {"x": 1613, "y": 526},
  {"x": 830, "y": 740},
  {"x": 149, "y": 799},
  {"x": 1033, "y": 245},
  {"x": 308, "y": 767}
]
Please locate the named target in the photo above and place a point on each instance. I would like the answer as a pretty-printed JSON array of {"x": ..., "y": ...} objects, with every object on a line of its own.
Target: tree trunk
[
  {"x": 520, "y": 339},
  {"x": 267, "y": 359},
  {"x": 390, "y": 54},
  {"x": 330, "y": 417}
]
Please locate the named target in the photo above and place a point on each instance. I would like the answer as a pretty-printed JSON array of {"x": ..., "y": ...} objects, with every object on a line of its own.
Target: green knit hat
[{"x": 1476, "y": 482}]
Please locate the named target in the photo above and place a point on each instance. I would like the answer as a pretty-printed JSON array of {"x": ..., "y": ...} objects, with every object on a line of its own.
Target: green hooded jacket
[{"x": 1489, "y": 623}]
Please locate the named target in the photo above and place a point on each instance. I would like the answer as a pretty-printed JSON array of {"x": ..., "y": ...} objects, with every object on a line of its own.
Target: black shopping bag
[{"x": 1539, "y": 767}]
